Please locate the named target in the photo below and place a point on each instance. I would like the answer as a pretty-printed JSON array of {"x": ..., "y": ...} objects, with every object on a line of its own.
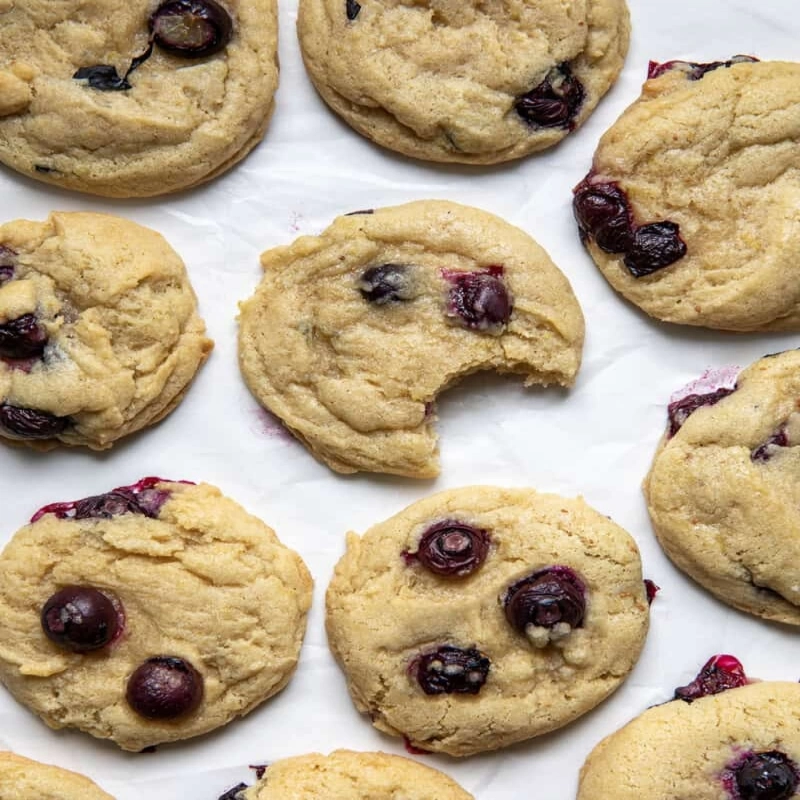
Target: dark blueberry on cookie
[
  {"x": 103, "y": 77},
  {"x": 191, "y": 28},
  {"x": 679, "y": 411},
  {"x": 81, "y": 618},
  {"x": 479, "y": 300},
  {"x": 602, "y": 213},
  {"x": 765, "y": 451},
  {"x": 22, "y": 337},
  {"x": 654, "y": 247},
  {"x": 555, "y": 102},
  {"x": 453, "y": 548},
  {"x": 550, "y": 598},
  {"x": 717, "y": 674},
  {"x": 450, "y": 670},
  {"x": 693, "y": 70},
  {"x": 105, "y": 506},
  {"x": 765, "y": 776},
  {"x": 164, "y": 687},
  {"x": 386, "y": 283},
  {"x": 352, "y": 8},
  {"x": 29, "y": 423},
  {"x": 7, "y": 263}
]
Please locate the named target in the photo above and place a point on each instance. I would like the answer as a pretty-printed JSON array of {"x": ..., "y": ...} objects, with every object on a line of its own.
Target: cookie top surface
[
  {"x": 347, "y": 775},
  {"x": 531, "y": 623},
  {"x": 351, "y": 334},
  {"x": 723, "y": 490},
  {"x": 99, "y": 330},
  {"x": 475, "y": 83},
  {"x": 23, "y": 779},
  {"x": 191, "y": 576},
  {"x": 703, "y": 750},
  {"x": 691, "y": 207},
  {"x": 183, "y": 119}
]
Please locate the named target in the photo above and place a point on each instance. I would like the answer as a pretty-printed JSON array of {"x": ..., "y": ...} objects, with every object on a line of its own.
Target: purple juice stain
[
  {"x": 718, "y": 674},
  {"x": 651, "y": 589},
  {"x": 680, "y": 410}
]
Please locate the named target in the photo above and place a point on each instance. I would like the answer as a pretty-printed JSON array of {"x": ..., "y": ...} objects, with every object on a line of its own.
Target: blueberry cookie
[
  {"x": 481, "y": 617},
  {"x": 346, "y": 775},
  {"x": 739, "y": 744},
  {"x": 132, "y": 99},
  {"x": 99, "y": 330},
  {"x": 351, "y": 334},
  {"x": 23, "y": 779},
  {"x": 723, "y": 489},
  {"x": 476, "y": 83},
  {"x": 152, "y": 613},
  {"x": 690, "y": 209}
]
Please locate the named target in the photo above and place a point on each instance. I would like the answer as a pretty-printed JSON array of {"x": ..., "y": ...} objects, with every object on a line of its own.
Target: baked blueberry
[
  {"x": 22, "y": 337},
  {"x": 765, "y": 451},
  {"x": 450, "y": 670},
  {"x": 453, "y": 548},
  {"x": 555, "y": 102},
  {"x": 7, "y": 263},
  {"x": 765, "y": 776},
  {"x": 693, "y": 70},
  {"x": 654, "y": 247},
  {"x": 717, "y": 674},
  {"x": 386, "y": 283},
  {"x": 679, "y": 411},
  {"x": 602, "y": 213},
  {"x": 191, "y": 28},
  {"x": 81, "y": 618},
  {"x": 164, "y": 687},
  {"x": 29, "y": 423},
  {"x": 479, "y": 300},
  {"x": 352, "y": 8}
]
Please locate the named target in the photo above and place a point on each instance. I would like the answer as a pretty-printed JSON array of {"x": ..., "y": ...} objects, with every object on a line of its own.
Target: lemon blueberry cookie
[
  {"x": 721, "y": 738},
  {"x": 351, "y": 334},
  {"x": 690, "y": 209},
  {"x": 151, "y": 613},
  {"x": 347, "y": 775},
  {"x": 480, "y": 617},
  {"x": 24, "y": 779},
  {"x": 722, "y": 491},
  {"x": 99, "y": 330},
  {"x": 471, "y": 82},
  {"x": 131, "y": 99}
]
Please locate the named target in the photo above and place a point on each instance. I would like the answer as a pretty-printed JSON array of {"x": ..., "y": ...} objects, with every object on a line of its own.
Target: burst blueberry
[
  {"x": 602, "y": 213},
  {"x": 452, "y": 548},
  {"x": 479, "y": 300},
  {"x": 22, "y": 337},
  {"x": 191, "y": 28},
  {"x": 28, "y": 423},
  {"x": 548, "y": 597},
  {"x": 679, "y": 411},
  {"x": 717, "y": 674},
  {"x": 450, "y": 670},
  {"x": 555, "y": 102},
  {"x": 654, "y": 247},
  {"x": 766, "y": 776}
]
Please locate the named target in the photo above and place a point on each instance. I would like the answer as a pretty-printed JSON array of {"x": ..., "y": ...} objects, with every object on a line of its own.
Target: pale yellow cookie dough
[
  {"x": 723, "y": 508},
  {"x": 356, "y": 380},
  {"x": 347, "y": 775},
  {"x": 182, "y": 122},
  {"x": 383, "y": 610},
  {"x": 438, "y": 79},
  {"x": 719, "y": 157},
  {"x": 124, "y": 336},
  {"x": 681, "y": 750},
  {"x": 204, "y": 581},
  {"x": 23, "y": 779}
]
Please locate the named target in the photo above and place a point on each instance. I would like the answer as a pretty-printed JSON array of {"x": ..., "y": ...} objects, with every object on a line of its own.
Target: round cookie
[
  {"x": 740, "y": 743},
  {"x": 198, "y": 592},
  {"x": 23, "y": 779},
  {"x": 480, "y": 617},
  {"x": 133, "y": 99},
  {"x": 99, "y": 330},
  {"x": 347, "y": 775},
  {"x": 473, "y": 83},
  {"x": 351, "y": 334},
  {"x": 691, "y": 206},
  {"x": 722, "y": 491}
]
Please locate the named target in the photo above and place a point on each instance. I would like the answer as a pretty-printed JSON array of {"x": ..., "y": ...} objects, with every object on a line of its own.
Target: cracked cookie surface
[
  {"x": 347, "y": 775},
  {"x": 351, "y": 335},
  {"x": 182, "y": 121},
  {"x": 196, "y": 578},
  {"x": 722, "y": 492},
  {"x": 99, "y": 330},
  {"x": 395, "y": 626},
  {"x": 24, "y": 779},
  {"x": 475, "y": 82},
  {"x": 681, "y": 750},
  {"x": 718, "y": 156}
]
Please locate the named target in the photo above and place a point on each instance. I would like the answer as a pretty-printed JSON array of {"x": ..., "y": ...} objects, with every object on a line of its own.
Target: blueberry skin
[{"x": 164, "y": 687}]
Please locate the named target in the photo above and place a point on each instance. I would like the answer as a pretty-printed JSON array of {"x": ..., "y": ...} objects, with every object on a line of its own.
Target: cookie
[
  {"x": 742, "y": 743},
  {"x": 722, "y": 491},
  {"x": 481, "y": 616},
  {"x": 351, "y": 334},
  {"x": 346, "y": 775},
  {"x": 99, "y": 330},
  {"x": 152, "y": 613},
  {"x": 23, "y": 779},
  {"x": 133, "y": 99},
  {"x": 465, "y": 82},
  {"x": 691, "y": 206}
]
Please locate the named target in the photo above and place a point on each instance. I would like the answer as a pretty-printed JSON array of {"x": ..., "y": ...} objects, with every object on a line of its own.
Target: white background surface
[{"x": 596, "y": 440}]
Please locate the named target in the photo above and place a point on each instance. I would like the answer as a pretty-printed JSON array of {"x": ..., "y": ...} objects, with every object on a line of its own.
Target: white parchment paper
[{"x": 596, "y": 440}]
